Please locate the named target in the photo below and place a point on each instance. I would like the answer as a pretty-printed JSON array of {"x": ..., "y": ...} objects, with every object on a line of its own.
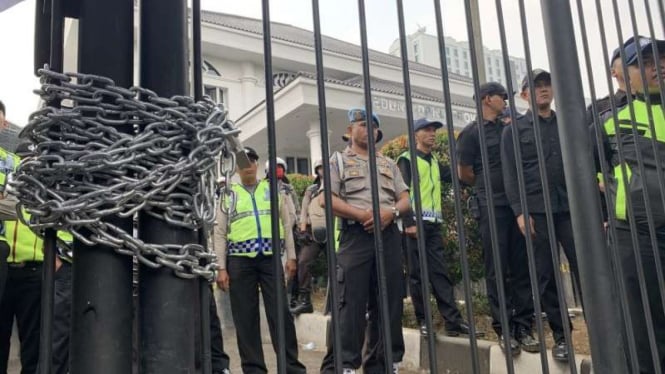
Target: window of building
[
  {"x": 215, "y": 93},
  {"x": 464, "y": 55},
  {"x": 298, "y": 165},
  {"x": 455, "y": 52}
]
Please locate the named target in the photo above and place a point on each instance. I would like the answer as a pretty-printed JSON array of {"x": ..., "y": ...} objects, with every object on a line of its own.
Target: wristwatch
[{"x": 395, "y": 213}]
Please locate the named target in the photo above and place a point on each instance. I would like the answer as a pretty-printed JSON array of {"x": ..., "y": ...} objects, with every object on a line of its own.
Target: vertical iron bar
[
  {"x": 55, "y": 52},
  {"x": 505, "y": 326},
  {"x": 197, "y": 50},
  {"x": 521, "y": 184},
  {"x": 204, "y": 287},
  {"x": 43, "y": 34},
  {"x": 102, "y": 279},
  {"x": 417, "y": 199},
  {"x": 623, "y": 296},
  {"x": 464, "y": 257},
  {"x": 554, "y": 246},
  {"x": 595, "y": 266},
  {"x": 274, "y": 188},
  {"x": 376, "y": 214},
  {"x": 166, "y": 334},
  {"x": 330, "y": 219}
]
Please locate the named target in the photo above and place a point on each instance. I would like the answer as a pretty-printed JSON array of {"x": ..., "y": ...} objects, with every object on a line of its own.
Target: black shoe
[
  {"x": 560, "y": 351},
  {"x": 514, "y": 346},
  {"x": 527, "y": 342},
  {"x": 462, "y": 329},
  {"x": 303, "y": 307}
]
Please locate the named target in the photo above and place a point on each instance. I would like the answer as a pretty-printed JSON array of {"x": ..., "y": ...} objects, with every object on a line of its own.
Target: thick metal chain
[{"x": 86, "y": 167}]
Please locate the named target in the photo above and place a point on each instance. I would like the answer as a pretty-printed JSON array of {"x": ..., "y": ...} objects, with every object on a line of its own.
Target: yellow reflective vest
[
  {"x": 430, "y": 187},
  {"x": 250, "y": 231},
  {"x": 8, "y": 163},
  {"x": 24, "y": 245},
  {"x": 626, "y": 177}
]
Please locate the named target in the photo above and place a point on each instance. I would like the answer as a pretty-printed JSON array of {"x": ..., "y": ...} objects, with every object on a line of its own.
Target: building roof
[{"x": 297, "y": 35}]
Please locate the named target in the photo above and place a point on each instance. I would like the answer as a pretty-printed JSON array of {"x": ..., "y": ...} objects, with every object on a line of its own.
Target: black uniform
[
  {"x": 511, "y": 244},
  {"x": 536, "y": 203},
  {"x": 442, "y": 286}
]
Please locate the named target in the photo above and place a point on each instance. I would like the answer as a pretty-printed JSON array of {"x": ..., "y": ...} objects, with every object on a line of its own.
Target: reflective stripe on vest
[
  {"x": 24, "y": 245},
  {"x": 621, "y": 207},
  {"x": 430, "y": 187},
  {"x": 250, "y": 231}
]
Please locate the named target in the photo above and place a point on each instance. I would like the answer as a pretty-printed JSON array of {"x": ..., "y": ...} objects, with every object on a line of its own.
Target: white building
[
  {"x": 234, "y": 74},
  {"x": 424, "y": 48}
]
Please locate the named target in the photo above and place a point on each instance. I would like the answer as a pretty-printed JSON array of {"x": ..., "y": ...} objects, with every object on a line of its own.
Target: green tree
[{"x": 441, "y": 150}]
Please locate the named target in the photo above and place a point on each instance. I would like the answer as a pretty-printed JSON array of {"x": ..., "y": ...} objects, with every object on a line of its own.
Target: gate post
[
  {"x": 101, "y": 339},
  {"x": 167, "y": 303},
  {"x": 595, "y": 266}
]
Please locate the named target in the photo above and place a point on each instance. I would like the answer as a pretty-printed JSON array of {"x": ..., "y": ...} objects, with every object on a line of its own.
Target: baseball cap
[
  {"x": 251, "y": 153},
  {"x": 359, "y": 114},
  {"x": 537, "y": 74},
  {"x": 24, "y": 149},
  {"x": 491, "y": 89},
  {"x": 421, "y": 123},
  {"x": 633, "y": 47}
]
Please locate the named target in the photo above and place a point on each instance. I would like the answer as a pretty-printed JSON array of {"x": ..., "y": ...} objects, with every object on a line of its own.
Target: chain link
[{"x": 118, "y": 151}]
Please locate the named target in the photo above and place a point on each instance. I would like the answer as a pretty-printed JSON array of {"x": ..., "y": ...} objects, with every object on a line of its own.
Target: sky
[{"x": 340, "y": 20}]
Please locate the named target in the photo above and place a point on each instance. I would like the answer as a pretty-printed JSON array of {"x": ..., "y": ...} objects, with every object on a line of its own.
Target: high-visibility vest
[
  {"x": 631, "y": 145},
  {"x": 8, "y": 163},
  {"x": 430, "y": 187},
  {"x": 24, "y": 245},
  {"x": 250, "y": 230}
]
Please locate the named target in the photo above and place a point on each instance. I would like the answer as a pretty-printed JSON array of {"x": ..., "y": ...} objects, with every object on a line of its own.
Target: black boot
[
  {"x": 293, "y": 298},
  {"x": 304, "y": 304}
]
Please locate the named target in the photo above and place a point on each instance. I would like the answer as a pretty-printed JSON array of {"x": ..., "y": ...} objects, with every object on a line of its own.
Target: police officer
[
  {"x": 535, "y": 200},
  {"x": 432, "y": 174},
  {"x": 313, "y": 242},
  {"x": 7, "y": 208},
  {"x": 246, "y": 263},
  {"x": 357, "y": 281},
  {"x": 604, "y": 104},
  {"x": 622, "y": 183},
  {"x": 511, "y": 246}
]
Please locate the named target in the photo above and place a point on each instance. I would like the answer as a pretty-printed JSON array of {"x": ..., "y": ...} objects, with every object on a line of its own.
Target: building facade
[{"x": 424, "y": 48}]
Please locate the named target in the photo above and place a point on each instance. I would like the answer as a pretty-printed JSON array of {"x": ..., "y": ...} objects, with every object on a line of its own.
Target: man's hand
[
  {"x": 58, "y": 263},
  {"x": 290, "y": 268},
  {"x": 411, "y": 231},
  {"x": 223, "y": 280},
  {"x": 303, "y": 227},
  {"x": 522, "y": 225},
  {"x": 386, "y": 216}
]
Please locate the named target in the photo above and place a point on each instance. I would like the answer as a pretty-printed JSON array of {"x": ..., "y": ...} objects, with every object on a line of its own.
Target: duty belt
[{"x": 20, "y": 265}]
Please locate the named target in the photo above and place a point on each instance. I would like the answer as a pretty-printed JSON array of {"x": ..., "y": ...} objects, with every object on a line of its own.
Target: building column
[
  {"x": 248, "y": 81},
  {"x": 314, "y": 136}
]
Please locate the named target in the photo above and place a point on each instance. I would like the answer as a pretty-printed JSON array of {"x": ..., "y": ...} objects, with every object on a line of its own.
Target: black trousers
[
  {"x": 636, "y": 309},
  {"x": 442, "y": 286},
  {"x": 544, "y": 266},
  {"x": 513, "y": 262},
  {"x": 4, "y": 253},
  {"x": 306, "y": 259},
  {"x": 62, "y": 310},
  {"x": 21, "y": 301},
  {"x": 358, "y": 295},
  {"x": 220, "y": 360},
  {"x": 246, "y": 276}
]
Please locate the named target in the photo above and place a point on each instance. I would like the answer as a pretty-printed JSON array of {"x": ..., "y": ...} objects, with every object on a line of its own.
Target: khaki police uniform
[
  {"x": 245, "y": 251},
  {"x": 357, "y": 281}
]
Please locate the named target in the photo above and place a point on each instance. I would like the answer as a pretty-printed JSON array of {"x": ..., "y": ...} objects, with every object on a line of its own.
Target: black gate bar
[
  {"x": 327, "y": 194},
  {"x": 274, "y": 190},
  {"x": 164, "y": 70},
  {"x": 101, "y": 279},
  {"x": 417, "y": 198},
  {"x": 594, "y": 262},
  {"x": 384, "y": 314}
]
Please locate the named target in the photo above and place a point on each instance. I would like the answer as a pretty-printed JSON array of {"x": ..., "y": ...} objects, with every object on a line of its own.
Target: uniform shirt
[
  {"x": 468, "y": 153},
  {"x": 306, "y": 199},
  {"x": 223, "y": 225},
  {"x": 404, "y": 166},
  {"x": 553, "y": 165},
  {"x": 354, "y": 186}
]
